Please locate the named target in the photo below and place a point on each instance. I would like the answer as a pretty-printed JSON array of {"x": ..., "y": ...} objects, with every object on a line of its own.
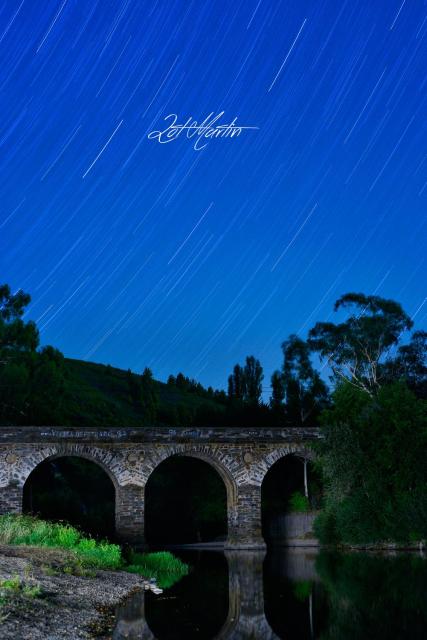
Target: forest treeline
[
  {"x": 39, "y": 386},
  {"x": 366, "y": 351}
]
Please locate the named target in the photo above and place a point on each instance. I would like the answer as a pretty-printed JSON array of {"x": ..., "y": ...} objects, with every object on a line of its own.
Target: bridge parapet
[{"x": 238, "y": 435}]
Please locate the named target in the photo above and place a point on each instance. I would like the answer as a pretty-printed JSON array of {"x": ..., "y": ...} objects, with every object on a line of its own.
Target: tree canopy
[
  {"x": 356, "y": 347},
  {"x": 245, "y": 383}
]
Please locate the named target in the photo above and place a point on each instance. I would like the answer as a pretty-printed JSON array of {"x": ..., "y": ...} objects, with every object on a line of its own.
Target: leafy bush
[
  {"x": 299, "y": 502},
  {"x": 302, "y": 589},
  {"x": 325, "y": 527}
]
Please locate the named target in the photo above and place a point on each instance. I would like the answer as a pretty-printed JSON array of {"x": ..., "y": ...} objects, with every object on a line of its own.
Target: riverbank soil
[{"x": 66, "y": 606}]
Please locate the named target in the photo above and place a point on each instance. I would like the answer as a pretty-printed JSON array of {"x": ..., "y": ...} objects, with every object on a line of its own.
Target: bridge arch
[
  {"x": 269, "y": 460},
  {"x": 128, "y": 498},
  {"x": 92, "y": 454},
  {"x": 208, "y": 456},
  {"x": 290, "y": 493},
  {"x": 75, "y": 489}
]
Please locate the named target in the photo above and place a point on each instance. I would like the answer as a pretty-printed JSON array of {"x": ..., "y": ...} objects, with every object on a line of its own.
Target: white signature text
[{"x": 202, "y": 132}]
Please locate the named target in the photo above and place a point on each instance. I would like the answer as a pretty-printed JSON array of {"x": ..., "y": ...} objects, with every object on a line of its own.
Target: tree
[
  {"x": 253, "y": 377},
  {"x": 237, "y": 383},
  {"x": 32, "y": 383},
  {"x": 410, "y": 364},
  {"x": 16, "y": 336},
  {"x": 278, "y": 390},
  {"x": 245, "y": 383},
  {"x": 48, "y": 386},
  {"x": 149, "y": 396},
  {"x": 14, "y": 391},
  {"x": 18, "y": 344},
  {"x": 356, "y": 347},
  {"x": 143, "y": 392},
  {"x": 305, "y": 392},
  {"x": 133, "y": 386},
  {"x": 180, "y": 381}
]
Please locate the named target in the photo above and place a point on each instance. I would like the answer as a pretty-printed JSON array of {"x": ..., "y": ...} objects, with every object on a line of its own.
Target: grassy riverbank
[{"x": 85, "y": 554}]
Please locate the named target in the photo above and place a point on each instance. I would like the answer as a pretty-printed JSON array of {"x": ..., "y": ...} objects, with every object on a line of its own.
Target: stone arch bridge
[{"x": 241, "y": 457}]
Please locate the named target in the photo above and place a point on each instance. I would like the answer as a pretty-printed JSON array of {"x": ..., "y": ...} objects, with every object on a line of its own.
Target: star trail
[{"x": 140, "y": 254}]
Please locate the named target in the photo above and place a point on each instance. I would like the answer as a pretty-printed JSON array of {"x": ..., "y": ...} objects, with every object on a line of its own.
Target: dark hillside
[{"x": 99, "y": 395}]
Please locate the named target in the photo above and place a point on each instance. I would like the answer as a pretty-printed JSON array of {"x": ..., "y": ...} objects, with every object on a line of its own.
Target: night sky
[{"x": 140, "y": 254}]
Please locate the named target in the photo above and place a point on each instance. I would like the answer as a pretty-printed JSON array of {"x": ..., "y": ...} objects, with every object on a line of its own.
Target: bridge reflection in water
[{"x": 251, "y": 577}]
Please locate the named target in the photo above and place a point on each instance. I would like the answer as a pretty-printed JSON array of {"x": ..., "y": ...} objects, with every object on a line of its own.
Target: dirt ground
[{"x": 69, "y": 606}]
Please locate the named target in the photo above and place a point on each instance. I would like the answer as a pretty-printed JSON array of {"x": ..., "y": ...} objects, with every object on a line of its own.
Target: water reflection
[{"x": 287, "y": 594}]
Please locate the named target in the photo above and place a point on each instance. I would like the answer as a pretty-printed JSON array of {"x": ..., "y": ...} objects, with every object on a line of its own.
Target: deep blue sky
[{"x": 138, "y": 253}]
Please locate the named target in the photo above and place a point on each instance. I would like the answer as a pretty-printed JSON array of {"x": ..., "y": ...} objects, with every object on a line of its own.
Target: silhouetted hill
[{"x": 99, "y": 395}]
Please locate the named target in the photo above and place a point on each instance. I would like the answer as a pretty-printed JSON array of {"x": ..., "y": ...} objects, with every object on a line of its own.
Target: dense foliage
[
  {"x": 245, "y": 383},
  {"x": 375, "y": 432},
  {"x": 373, "y": 462}
]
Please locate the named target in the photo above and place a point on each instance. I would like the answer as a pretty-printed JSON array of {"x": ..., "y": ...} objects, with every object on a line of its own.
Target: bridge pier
[
  {"x": 245, "y": 619},
  {"x": 11, "y": 498},
  {"x": 245, "y": 530},
  {"x": 246, "y": 616},
  {"x": 130, "y": 514}
]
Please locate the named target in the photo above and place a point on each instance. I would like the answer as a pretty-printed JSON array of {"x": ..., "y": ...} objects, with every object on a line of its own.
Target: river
[{"x": 286, "y": 593}]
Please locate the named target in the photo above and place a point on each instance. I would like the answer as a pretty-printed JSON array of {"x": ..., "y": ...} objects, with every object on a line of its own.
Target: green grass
[
  {"x": 88, "y": 553},
  {"x": 15, "y": 586},
  {"x": 26, "y": 530}
]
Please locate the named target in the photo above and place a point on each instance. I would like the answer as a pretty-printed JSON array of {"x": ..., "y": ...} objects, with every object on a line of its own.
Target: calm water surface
[{"x": 292, "y": 594}]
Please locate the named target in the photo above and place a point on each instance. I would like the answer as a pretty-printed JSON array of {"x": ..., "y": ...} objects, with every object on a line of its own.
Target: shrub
[
  {"x": 325, "y": 527},
  {"x": 298, "y": 502},
  {"x": 302, "y": 589}
]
